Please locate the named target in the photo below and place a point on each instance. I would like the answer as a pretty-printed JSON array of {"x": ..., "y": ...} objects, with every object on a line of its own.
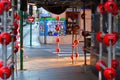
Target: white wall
[{"x": 63, "y": 15}]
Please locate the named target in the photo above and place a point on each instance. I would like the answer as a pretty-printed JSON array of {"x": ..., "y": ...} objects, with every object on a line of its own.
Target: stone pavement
[
  {"x": 41, "y": 64},
  {"x": 46, "y": 66},
  {"x": 62, "y": 73},
  {"x": 52, "y": 67}
]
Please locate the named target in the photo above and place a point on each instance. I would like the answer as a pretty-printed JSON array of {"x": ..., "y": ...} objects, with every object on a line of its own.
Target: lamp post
[{"x": 23, "y": 7}]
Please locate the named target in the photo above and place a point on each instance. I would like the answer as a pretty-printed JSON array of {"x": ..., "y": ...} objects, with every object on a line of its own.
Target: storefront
[{"x": 47, "y": 32}]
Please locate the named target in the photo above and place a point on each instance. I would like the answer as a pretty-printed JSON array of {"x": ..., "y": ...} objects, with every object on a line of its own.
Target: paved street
[{"x": 42, "y": 63}]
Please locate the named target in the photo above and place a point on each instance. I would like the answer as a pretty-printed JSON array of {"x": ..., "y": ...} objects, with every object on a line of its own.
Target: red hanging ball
[
  {"x": 116, "y": 11},
  {"x": 17, "y": 45},
  {"x": 57, "y": 39},
  {"x": 15, "y": 25},
  {"x": 115, "y": 64},
  {"x": 98, "y": 67},
  {"x": 72, "y": 56},
  {"x": 6, "y": 71},
  {"x": 101, "y": 9},
  {"x": 99, "y": 37},
  {"x": 16, "y": 49},
  {"x": 6, "y": 5},
  {"x": 5, "y": 38},
  {"x": 77, "y": 55},
  {"x": 57, "y": 18},
  {"x": 110, "y": 73},
  {"x": 58, "y": 50},
  {"x": 18, "y": 17},
  {"x": 75, "y": 42},
  {"x": 116, "y": 34},
  {"x": 110, "y": 6},
  {"x": 57, "y": 28},
  {"x": 108, "y": 38}
]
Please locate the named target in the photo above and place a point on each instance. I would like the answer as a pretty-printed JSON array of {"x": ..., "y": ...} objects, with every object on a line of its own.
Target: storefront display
[
  {"x": 48, "y": 25},
  {"x": 72, "y": 18}
]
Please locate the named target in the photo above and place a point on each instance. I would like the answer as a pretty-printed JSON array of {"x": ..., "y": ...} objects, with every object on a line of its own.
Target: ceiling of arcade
[
  {"x": 59, "y": 6},
  {"x": 68, "y": 3},
  {"x": 52, "y": 3}
]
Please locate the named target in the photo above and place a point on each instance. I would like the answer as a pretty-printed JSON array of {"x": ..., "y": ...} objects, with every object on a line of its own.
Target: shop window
[{"x": 72, "y": 18}]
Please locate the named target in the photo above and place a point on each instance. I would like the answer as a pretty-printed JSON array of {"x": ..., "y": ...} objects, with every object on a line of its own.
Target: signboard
[
  {"x": 30, "y": 19},
  {"x": 45, "y": 15},
  {"x": 50, "y": 24}
]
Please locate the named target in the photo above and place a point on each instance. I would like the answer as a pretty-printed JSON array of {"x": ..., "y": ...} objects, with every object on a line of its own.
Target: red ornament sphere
[
  {"x": 72, "y": 56},
  {"x": 58, "y": 50},
  {"x": 15, "y": 25},
  {"x": 98, "y": 67},
  {"x": 99, "y": 37},
  {"x": 17, "y": 45},
  {"x": 101, "y": 9},
  {"x": 116, "y": 11},
  {"x": 5, "y": 38},
  {"x": 110, "y": 6},
  {"x": 57, "y": 39},
  {"x": 108, "y": 38},
  {"x": 6, "y": 5},
  {"x": 115, "y": 64},
  {"x": 116, "y": 34},
  {"x": 57, "y": 28},
  {"x": 75, "y": 42},
  {"x": 76, "y": 54},
  {"x": 110, "y": 73},
  {"x": 57, "y": 18},
  {"x": 5, "y": 71}
]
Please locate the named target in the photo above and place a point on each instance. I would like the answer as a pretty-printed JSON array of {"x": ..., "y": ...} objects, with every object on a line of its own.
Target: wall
[
  {"x": 51, "y": 39},
  {"x": 63, "y": 15},
  {"x": 88, "y": 20}
]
